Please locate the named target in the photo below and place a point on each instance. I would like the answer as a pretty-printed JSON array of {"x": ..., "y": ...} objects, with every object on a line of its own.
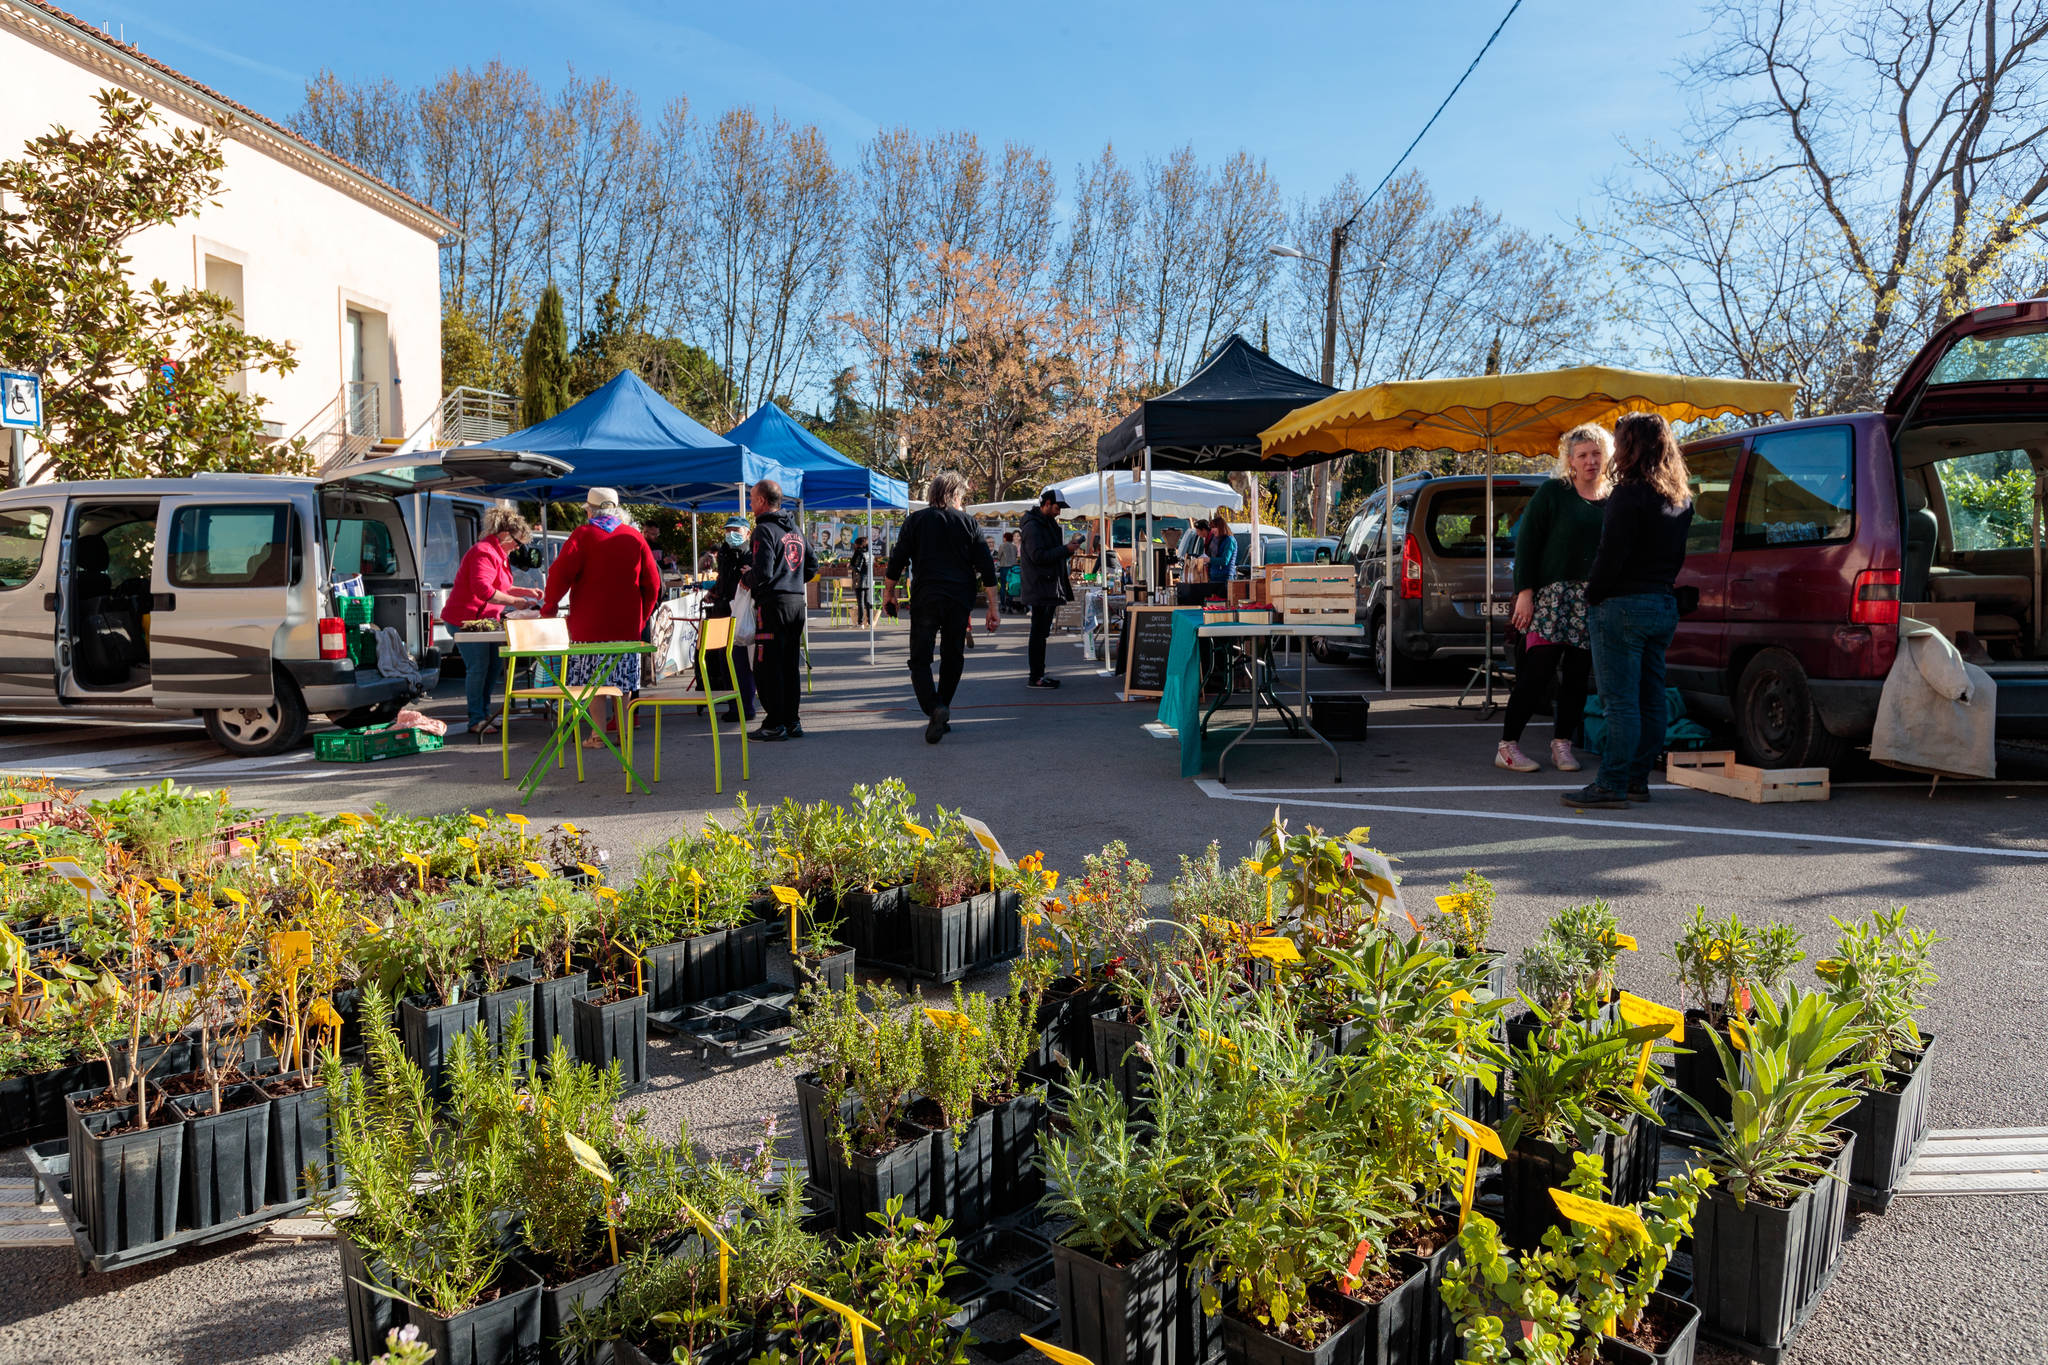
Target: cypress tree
[{"x": 545, "y": 362}]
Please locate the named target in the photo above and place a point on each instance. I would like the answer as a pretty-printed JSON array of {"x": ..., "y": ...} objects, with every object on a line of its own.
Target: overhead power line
[{"x": 1395, "y": 168}]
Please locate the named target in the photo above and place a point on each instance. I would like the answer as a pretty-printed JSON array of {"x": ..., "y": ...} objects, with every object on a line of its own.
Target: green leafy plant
[
  {"x": 897, "y": 1278},
  {"x": 1574, "y": 1081},
  {"x": 1109, "y": 1176},
  {"x": 1789, "y": 1076},
  {"x": 1468, "y": 920},
  {"x": 1882, "y": 966},
  {"x": 1720, "y": 962}
]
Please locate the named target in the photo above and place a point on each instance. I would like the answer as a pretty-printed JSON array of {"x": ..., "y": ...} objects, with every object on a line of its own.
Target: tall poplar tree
[{"x": 545, "y": 362}]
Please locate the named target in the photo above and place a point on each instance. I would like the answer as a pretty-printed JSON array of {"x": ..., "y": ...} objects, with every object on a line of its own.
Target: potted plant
[
  {"x": 969, "y": 1086},
  {"x": 869, "y": 864},
  {"x": 1568, "y": 972},
  {"x": 1767, "y": 1237},
  {"x": 557, "y": 913},
  {"x": 687, "y": 902},
  {"x": 1881, "y": 965},
  {"x": 1574, "y": 1089},
  {"x": 952, "y": 932},
  {"x": 126, "y": 1144},
  {"x": 876, "y": 1058},
  {"x": 896, "y": 1280},
  {"x": 494, "y": 922},
  {"x": 610, "y": 1023},
  {"x": 426, "y": 958},
  {"x": 1719, "y": 964}
]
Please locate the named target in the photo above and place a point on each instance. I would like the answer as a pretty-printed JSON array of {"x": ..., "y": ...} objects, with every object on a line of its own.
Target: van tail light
[
  {"x": 333, "y": 638},
  {"x": 1877, "y": 598},
  {"x": 1411, "y": 567}
]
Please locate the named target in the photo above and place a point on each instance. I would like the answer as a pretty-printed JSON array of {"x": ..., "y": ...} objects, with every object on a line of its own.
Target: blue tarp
[
  {"x": 627, "y": 436},
  {"x": 832, "y": 482}
]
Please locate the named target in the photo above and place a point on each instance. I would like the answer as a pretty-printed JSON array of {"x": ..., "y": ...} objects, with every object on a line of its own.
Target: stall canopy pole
[
  {"x": 695, "y": 558},
  {"x": 863, "y": 587},
  {"x": 1149, "y": 584},
  {"x": 1486, "y": 602},
  {"x": 1391, "y": 591},
  {"x": 1103, "y": 563}
]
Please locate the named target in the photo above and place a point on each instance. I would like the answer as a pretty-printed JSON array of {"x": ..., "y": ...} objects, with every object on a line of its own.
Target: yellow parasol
[{"x": 1519, "y": 414}]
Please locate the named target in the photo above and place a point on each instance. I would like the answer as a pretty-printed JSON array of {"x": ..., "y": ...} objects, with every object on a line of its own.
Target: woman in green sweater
[{"x": 1554, "y": 548}]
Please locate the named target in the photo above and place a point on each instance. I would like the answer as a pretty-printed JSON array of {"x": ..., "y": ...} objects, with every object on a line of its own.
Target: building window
[{"x": 225, "y": 279}]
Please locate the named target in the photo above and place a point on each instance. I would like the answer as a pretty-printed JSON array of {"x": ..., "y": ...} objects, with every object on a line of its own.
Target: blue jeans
[
  {"x": 1630, "y": 635},
  {"x": 480, "y": 666}
]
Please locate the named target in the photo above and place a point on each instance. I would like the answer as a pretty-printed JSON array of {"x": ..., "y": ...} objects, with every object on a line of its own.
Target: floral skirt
[
  {"x": 1560, "y": 616},
  {"x": 625, "y": 672}
]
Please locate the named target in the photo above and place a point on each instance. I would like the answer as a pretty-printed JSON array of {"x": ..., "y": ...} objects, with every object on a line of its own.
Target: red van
[{"x": 1808, "y": 536}]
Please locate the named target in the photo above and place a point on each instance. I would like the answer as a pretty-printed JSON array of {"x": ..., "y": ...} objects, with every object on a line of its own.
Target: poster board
[{"x": 1146, "y": 641}]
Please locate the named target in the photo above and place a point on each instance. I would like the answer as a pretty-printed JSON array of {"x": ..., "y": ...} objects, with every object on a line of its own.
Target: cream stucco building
[{"x": 312, "y": 250}]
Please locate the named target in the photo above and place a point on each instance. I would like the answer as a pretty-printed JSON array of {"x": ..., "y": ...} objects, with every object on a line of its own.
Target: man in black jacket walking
[
  {"x": 780, "y": 563},
  {"x": 948, "y": 554},
  {"x": 1043, "y": 555}
]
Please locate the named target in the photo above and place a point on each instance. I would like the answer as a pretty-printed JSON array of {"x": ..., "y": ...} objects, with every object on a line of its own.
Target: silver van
[{"x": 213, "y": 594}]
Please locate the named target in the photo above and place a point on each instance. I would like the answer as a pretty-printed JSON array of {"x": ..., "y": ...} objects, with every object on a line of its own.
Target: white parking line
[{"x": 1217, "y": 791}]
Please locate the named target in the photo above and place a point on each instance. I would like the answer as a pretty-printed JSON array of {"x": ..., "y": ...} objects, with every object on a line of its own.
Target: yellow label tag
[
  {"x": 540, "y": 874},
  {"x": 1224, "y": 927},
  {"x": 1625, "y": 942},
  {"x": 1607, "y": 1218},
  {"x": 237, "y": 897},
  {"x": 922, "y": 834},
  {"x": 1280, "y": 952},
  {"x": 287, "y": 843},
  {"x": 1462, "y": 997},
  {"x": 850, "y": 1314},
  {"x": 350, "y": 818},
  {"x": 1059, "y": 1354},
  {"x": 952, "y": 1019},
  {"x": 292, "y": 949},
  {"x": 1478, "y": 1134},
  {"x": 171, "y": 885},
  {"x": 986, "y": 837},
  {"x": 587, "y": 1156},
  {"x": 1738, "y": 1035},
  {"x": 479, "y": 821},
  {"x": 464, "y": 841},
  {"x": 77, "y": 876},
  {"x": 324, "y": 1015},
  {"x": 587, "y": 870},
  {"x": 416, "y": 860},
  {"x": 1638, "y": 1012},
  {"x": 515, "y": 817},
  {"x": 788, "y": 895}
]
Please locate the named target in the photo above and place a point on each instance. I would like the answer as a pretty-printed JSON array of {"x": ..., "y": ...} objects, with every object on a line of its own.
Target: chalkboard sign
[{"x": 1147, "y": 640}]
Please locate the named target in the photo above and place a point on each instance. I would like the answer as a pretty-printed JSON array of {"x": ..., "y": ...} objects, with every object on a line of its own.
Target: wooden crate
[
  {"x": 1313, "y": 594},
  {"x": 1715, "y": 770}
]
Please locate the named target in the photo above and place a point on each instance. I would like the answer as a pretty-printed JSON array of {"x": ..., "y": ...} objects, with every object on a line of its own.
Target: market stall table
[
  {"x": 1253, "y": 641},
  {"x": 575, "y": 708}
]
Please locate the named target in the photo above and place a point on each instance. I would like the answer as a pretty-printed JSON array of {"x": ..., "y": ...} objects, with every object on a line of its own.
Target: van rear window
[
  {"x": 1800, "y": 489},
  {"x": 1988, "y": 359},
  {"x": 239, "y": 546},
  {"x": 24, "y": 534},
  {"x": 1457, "y": 521}
]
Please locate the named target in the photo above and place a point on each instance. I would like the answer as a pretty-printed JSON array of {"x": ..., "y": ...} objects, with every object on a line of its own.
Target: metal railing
[
  {"x": 465, "y": 416},
  {"x": 364, "y": 401}
]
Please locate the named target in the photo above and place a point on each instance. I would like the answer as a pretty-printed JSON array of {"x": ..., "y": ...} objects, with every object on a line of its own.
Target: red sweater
[
  {"x": 611, "y": 581},
  {"x": 484, "y": 571}
]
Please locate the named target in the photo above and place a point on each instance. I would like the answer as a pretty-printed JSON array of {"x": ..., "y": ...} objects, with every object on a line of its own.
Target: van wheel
[
  {"x": 1375, "y": 658},
  {"x": 1776, "y": 722},
  {"x": 252, "y": 731}
]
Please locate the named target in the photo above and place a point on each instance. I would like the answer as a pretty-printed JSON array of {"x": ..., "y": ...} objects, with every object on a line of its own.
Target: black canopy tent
[{"x": 1211, "y": 424}]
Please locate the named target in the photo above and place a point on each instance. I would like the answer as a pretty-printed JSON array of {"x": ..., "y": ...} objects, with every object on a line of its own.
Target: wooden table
[
  {"x": 1254, "y": 641},
  {"x": 575, "y": 708}
]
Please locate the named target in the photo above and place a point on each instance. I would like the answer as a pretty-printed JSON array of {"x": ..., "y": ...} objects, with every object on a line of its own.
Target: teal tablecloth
[{"x": 1180, "y": 703}]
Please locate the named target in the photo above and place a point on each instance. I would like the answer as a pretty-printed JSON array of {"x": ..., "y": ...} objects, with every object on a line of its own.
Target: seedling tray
[
  {"x": 368, "y": 746},
  {"x": 51, "y": 1164},
  {"x": 739, "y": 1024}
]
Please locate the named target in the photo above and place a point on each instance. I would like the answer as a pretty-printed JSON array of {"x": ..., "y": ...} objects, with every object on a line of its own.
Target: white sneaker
[
  {"x": 1509, "y": 755},
  {"x": 1561, "y": 755}
]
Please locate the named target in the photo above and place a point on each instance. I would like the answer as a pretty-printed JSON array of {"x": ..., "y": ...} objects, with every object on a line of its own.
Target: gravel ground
[{"x": 1956, "y": 1280}]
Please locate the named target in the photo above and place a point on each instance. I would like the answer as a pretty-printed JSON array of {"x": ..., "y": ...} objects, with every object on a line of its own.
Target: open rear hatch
[
  {"x": 1988, "y": 364},
  {"x": 440, "y": 471}
]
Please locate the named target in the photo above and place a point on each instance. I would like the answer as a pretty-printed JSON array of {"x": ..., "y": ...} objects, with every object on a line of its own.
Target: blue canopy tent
[
  {"x": 832, "y": 482},
  {"x": 627, "y": 436}
]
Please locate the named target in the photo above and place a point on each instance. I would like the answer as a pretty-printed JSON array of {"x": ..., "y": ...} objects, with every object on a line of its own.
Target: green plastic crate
[
  {"x": 357, "y": 612},
  {"x": 367, "y": 746}
]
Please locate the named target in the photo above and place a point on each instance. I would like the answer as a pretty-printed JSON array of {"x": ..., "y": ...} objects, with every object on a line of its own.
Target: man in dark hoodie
[
  {"x": 1044, "y": 556},
  {"x": 780, "y": 562},
  {"x": 945, "y": 552}
]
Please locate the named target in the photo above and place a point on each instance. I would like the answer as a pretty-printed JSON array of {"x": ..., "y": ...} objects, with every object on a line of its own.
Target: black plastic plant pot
[
  {"x": 371, "y": 1316},
  {"x": 1889, "y": 1125},
  {"x": 227, "y": 1157},
  {"x": 47, "y": 1090},
  {"x": 613, "y": 1032},
  {"x": 1117, "y": 1058},
  {"x": 942, "y": 944},
  {"x": 124, "y": 1187},
  {"x": 301, "y": 1140},
  {"x": 1399, "y": 1327},
  {"x": 735, "y": 1348},
  {"x": 1246, "y": 1343},
  {"x": 1429, "y": 1333},
  {"x": 504, "y": 1331},
  {"x": 559, "y": 1305},
  {"x": 877, "y": 924},
  {"x": 865, "y": 1184},
  {"x": 689, "y": 969},
  {"x": 1119, "y": 1314},
  {"x": 499, "y": 1009},
  {"x": 1001, "y": 925},
  {"x": 746, "y": 953},
  {"x": 963, "y": 1172},
  {"x": 1697, "y": 1071},
  {"x": 1757, "y": 1269},
  {"x": 551, "y": 1015},
  {"x": 828, "y": 973},
  {"x": 427, "y": 1033},
  {"x": 1015, "y": 1182},
  {"x": 18, "y": 1121},
  {"x": 817, "y": 1128},
  {"x": 1676, "y": 1324},
  {"x": 1535, "y": 1167},
  {"x": 1066, "y": 1028}
]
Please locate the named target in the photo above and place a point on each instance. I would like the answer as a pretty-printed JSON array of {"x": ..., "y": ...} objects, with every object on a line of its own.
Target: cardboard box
[{"x": 1946, "y": 617}]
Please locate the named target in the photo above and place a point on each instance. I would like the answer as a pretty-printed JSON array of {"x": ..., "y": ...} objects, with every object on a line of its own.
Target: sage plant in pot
[{"x": 1883, "y": 966}]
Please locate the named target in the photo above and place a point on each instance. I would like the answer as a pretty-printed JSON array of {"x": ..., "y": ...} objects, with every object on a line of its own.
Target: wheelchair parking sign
[{"x": 21, "y": 400}]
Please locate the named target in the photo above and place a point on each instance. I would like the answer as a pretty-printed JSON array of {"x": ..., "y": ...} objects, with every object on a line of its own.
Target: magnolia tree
[{"x": 138, "y": 378}]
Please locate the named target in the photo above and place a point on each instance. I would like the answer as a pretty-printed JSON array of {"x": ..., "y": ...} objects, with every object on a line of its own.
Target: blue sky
[{"x": 1315, "y": 88}]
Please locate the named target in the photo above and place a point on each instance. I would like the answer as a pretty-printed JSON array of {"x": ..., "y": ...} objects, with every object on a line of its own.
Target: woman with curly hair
[{"x": 1634, "y": 605}]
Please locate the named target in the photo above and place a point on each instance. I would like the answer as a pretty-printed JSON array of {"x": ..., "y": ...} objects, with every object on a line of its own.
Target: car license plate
[{"x": 1497, "y": 607}]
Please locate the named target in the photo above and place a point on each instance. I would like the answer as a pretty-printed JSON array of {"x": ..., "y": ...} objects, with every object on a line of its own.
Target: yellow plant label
[
  {"x": 1280, "y": 952},
  {"x": 287, "y": 843},
  {"x": 324, "y": 1014},
  {"x": 1637, "y": 1012},
  {"x": 1478, "y": 1134},
  {"x": 1624, "y": 942},
  {"x": 479, "y": 821},
  {"x": 788, "y": 895},
  {"x": 515, "y": 817},
  {"x": 986, "y": 837},
  {"x": 540, "y": 874},
  {"x": 587, "y": 870},
  {"x": 922, "y": 834},
  {"x": 952, "y": 1019},
  {"x": 1060, "y": 1355},
  {"x": 1607, "y": 1218},
  {"x": 587, "y": 1156},
  {"x": 850, "y": 1314},
  {"x": 292, "y": 949},
  {"x": 77, "y": 876},
  {"x": 1738, "y": 1035},
  {"x": 1462, "y": 997},
  {"x": 464, "y": 841}
]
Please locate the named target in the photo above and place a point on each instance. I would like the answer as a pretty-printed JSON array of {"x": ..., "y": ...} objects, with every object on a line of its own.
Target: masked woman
[{"x": 732, "y": 559}]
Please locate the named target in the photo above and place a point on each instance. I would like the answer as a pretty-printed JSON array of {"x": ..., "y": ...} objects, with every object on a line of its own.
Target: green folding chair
[{"x": 714, "y": 637}]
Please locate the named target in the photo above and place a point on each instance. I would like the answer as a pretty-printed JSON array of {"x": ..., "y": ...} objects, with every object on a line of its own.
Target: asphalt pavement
[{"x": 1960, "y": 1279}]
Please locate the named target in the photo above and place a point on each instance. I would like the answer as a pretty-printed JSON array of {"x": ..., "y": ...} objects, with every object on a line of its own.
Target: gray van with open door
[{"x": 213, "y": 595}]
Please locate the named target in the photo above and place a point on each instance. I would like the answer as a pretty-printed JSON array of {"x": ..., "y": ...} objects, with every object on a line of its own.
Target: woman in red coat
[{"x": 608, "y": 573}]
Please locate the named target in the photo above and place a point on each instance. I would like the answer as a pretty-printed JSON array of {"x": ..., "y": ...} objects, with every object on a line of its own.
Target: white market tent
[{"x": 1173, "y": 494}]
